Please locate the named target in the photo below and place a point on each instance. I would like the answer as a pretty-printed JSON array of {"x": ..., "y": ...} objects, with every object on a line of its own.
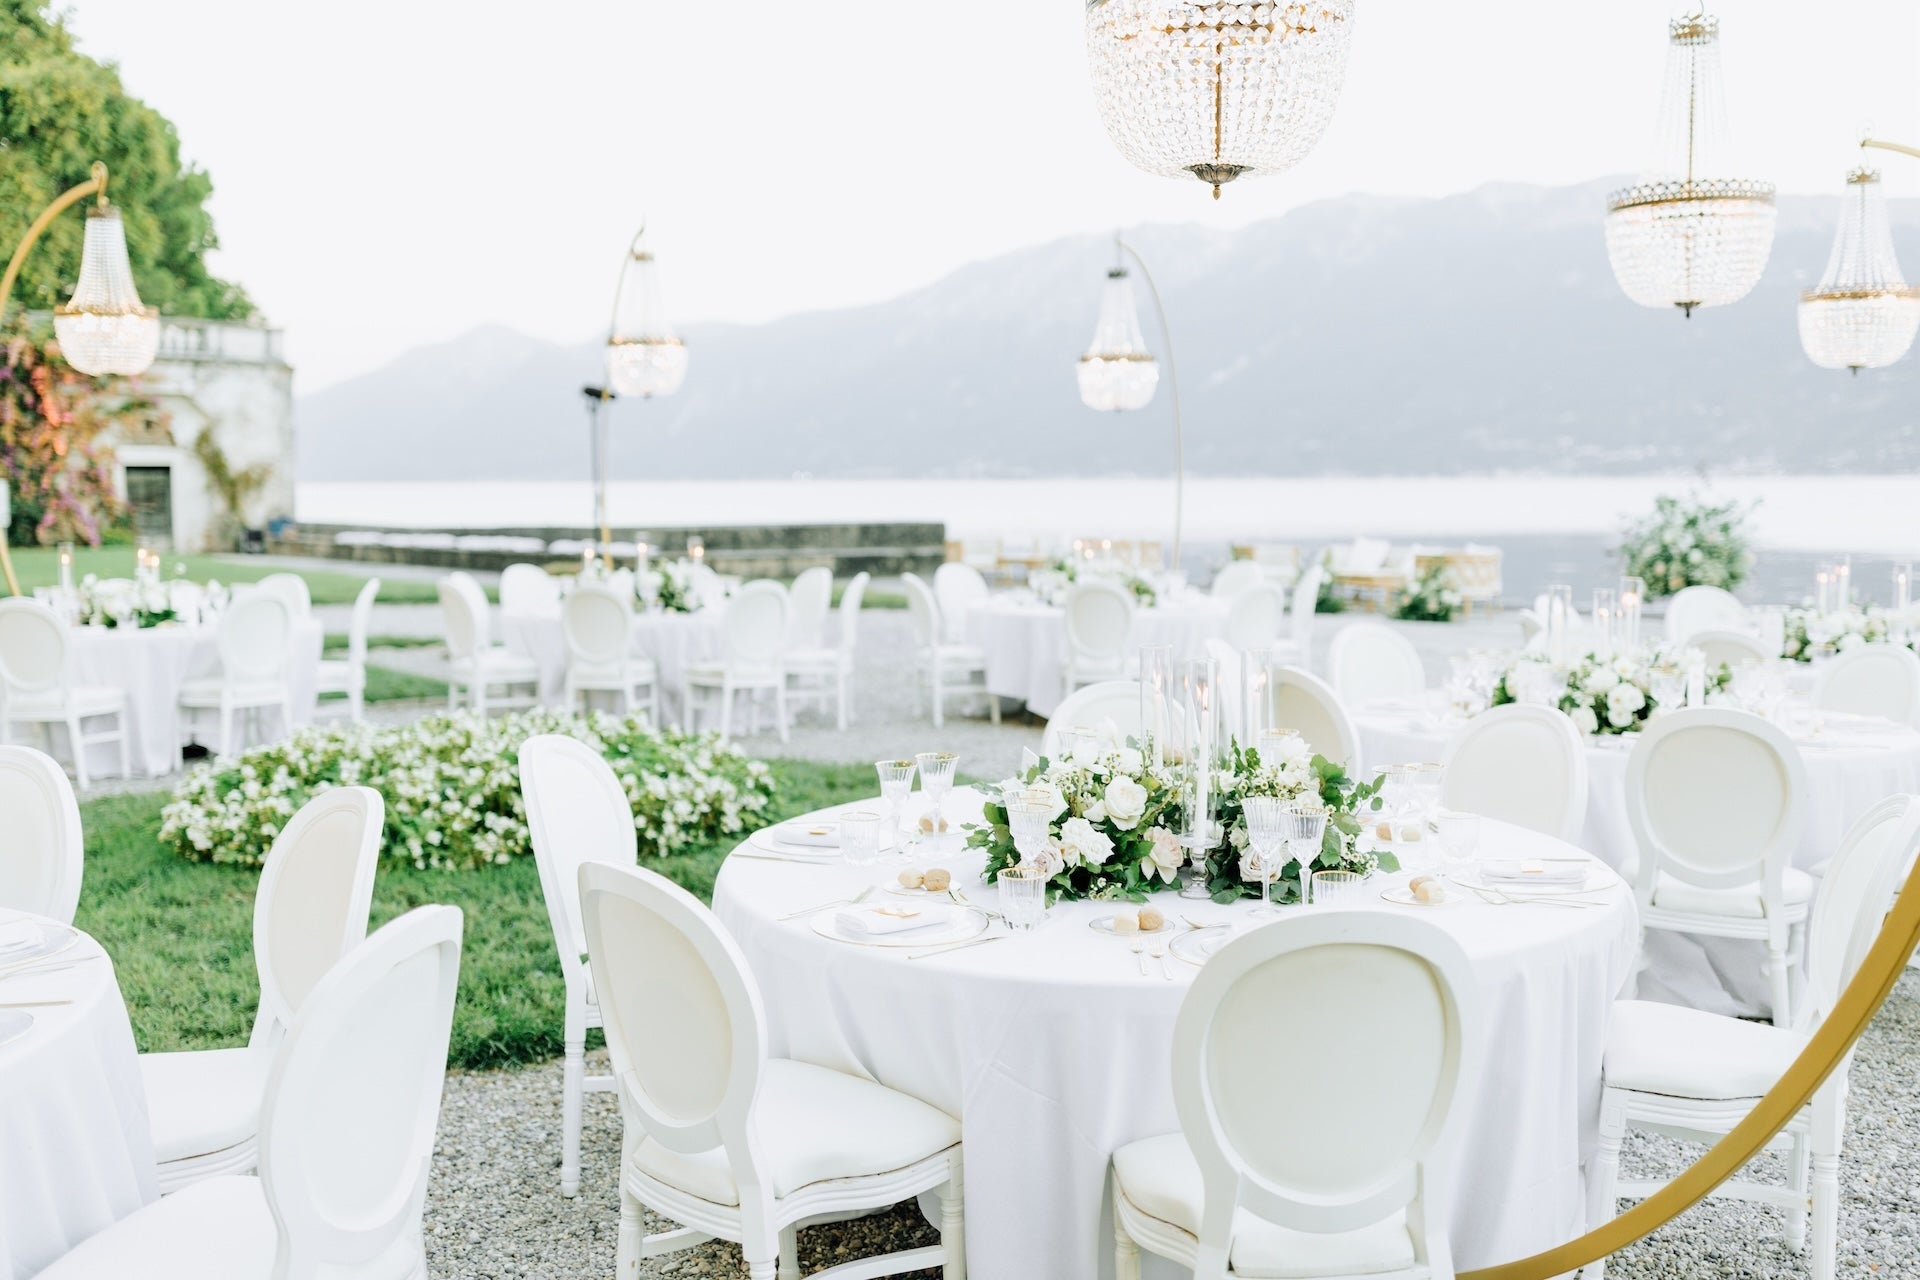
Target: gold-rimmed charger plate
[
  {"x": 1196, "y": 946},
  {"x": 969, "y": 923}
]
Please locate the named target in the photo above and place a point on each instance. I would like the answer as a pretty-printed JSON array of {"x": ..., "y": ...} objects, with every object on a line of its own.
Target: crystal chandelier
[
  {"x": 1687, "y": 235},
  {"x": 1863, "y": 315},
  {"x": 1217, "y": 90},
  {"x": 1117, "y": 371},
  {"x": 643, "y": 356},
  {"x": 104, "y": 328}
]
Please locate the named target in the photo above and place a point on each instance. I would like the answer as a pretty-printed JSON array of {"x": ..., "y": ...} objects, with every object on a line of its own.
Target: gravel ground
[{"x": 494, "y": 1208}]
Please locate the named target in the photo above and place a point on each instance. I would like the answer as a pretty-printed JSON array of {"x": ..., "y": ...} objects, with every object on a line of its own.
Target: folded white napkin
[
  {"x": 19, "y": 935},
  {"x": 1521, "y": 871},
  {"x": 822, "y": 835},
  {"x": 874, "y": 921}
]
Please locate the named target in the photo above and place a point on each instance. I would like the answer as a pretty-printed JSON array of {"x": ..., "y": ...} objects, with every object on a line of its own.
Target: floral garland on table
[
  {"x": 1808, "y": 630},
  {"x": 1110, "y": 837},
  {"x": 674, "y": 586},
  {"x": 1600, "y": 695},
  {"x": 452, "y": 787},
  {"x": 1432, "y": 598},
  {"x": 128, "y": 602},
  {"x": 1051, "y": 584}
]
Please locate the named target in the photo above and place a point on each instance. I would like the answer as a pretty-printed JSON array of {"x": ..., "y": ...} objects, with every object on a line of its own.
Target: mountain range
[{"x": 1362, "y": 335}]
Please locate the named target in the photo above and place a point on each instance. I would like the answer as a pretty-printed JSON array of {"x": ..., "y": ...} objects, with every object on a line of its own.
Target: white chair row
[
  {"x": 348, "y": 675},
  {"x": 35, "y": 690},
  {"x": 950, "y": 667}
]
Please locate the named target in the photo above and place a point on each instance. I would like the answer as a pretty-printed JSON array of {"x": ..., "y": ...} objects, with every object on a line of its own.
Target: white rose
[
  {"x": 1624, "y": 701},
  {"x": 1585, "y": 720},
  {"x": 1049, "y": 861},
  {"x": 1129, "y": 761},
  {"x": 1096, "y": 812},
  {"x": 1126, "y": 803},
  {"x": 1166, "y": 854},
  {"x": 1602, "y": 680},
  {"x": 1082, "y": 844}
]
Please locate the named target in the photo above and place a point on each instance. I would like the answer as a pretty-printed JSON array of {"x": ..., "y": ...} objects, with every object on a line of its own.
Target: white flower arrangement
[
  {"x": 1809, "y": 631},
  {"x": 1688, "y": 542},
  {"x": 1608, "y": 695},
  {"x": 123, "y": 602},
  {"x": 452, "y": 787}
]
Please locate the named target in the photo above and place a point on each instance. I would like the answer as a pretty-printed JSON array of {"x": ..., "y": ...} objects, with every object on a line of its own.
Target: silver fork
[
  {"x": 1159, "y": 953},
  {"x": 861, "y": 896},
  {"x": 30, "y": 970}
]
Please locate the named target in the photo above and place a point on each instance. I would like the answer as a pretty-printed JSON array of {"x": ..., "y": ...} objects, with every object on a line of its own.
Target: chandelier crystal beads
[
  {"x": 1863, "y": 315},
  {"x": 644, "y": 358},
  {"x": 104, "y": 328},
  {"x": 1688, "y": 235},
  {"x": 1217, "y": 91},
  {"x": 1118, "y": 372}
]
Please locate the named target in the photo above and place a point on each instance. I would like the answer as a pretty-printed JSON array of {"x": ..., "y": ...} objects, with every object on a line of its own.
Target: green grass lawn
[
  {"x": 181, "y": 933},
  {"x": 40, "y": 567}
]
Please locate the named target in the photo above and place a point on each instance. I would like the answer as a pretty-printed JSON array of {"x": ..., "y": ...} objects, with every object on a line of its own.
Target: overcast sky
[{"x": 392, "y": 174}]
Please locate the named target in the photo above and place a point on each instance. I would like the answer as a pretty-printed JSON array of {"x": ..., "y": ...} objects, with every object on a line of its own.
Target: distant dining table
[
  {"x": 1026, "y": 641},
  {"x": 151, "y": 664},
  {"x": 1852, "y": 762},
  {"x": 675, "y": 641},
  {"x": 1054, "y": 1048},
  {"x": 75, "y": 1150}
]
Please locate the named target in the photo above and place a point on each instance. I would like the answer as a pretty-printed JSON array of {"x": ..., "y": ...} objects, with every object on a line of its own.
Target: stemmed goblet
[
  {"x": 1303, "y": 825},
  {"x": 1266, "y": 837},
  {"x": 936, "y": 779},
  {"x": 896, "y": 783}
]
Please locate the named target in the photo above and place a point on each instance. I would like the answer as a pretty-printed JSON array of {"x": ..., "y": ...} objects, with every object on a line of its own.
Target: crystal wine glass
[
  {"x": 1030, "y": 819},
  {"x": 1303, "y": 823},
  {"x": 1267, "y": 837},
  {"x": 896, "y": 782},
  {"x": 936, "y": 779}
]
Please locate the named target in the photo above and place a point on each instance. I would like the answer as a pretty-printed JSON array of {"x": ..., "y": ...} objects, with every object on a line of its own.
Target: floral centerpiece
[
  {"x": 1432, "y": 597},
  {"x": 1601, "y": 695},
  {"x": 123, "y": 602},
  {"x": 1809, "y": 631},
  {"x": 1112, "y": 831},
  {"x": 1051, "y": 584},
  {"x": 1688, "y": 542},
  {"x": 670, "y": 585}
]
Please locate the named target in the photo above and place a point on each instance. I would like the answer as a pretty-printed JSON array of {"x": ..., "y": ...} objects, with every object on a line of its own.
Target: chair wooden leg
[
  {"x": 1604, "y": 1176},
  {"x": 790, "y": 1253},
  {"x": 226, "y": 733},
  {"x": 126, "y": 743},
  {"x": 939, "y": 697},
  {"x": 572, "y": 1085},
  {"x": 726, "y": 711},
  {"x": 763, "y": 1269},
  {"x": 953, "y": 1225},
  {"x": 1779, "y": 977},
  {"x": 627, "y": 1248},
  {"x": 76, "y": 743},
  {"x": 844, "y": 696},
  {"x": 780, "y": 708},
  {"x": 1826, "y": 1214}
]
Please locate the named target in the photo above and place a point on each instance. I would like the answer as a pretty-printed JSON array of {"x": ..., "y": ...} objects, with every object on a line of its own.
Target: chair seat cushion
[
  {"x": 203, "y": 1100},
  {"x": 814, "y": 659},
  {"x": 962, "y": 656},
  {"x": 216, "y": 1229},
  {"x": 815, "y": 1124},
  {"x": 740, "y": 674},
  {"x": 1685, "y": 1053},
  {"x": 500, "y": 665},
  {"x": 86, "y": 699},
  {"x": 205, "y": 691},
  {"x": 339, "y": 676},
  {"x": 1742, "y": 902},
  {"x": 1160, "y": 1178},
  {"x": 638, "y": 670}
]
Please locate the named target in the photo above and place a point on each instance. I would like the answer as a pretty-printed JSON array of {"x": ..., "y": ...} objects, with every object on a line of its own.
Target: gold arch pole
[
  {"x": 1836, "y": 1036},
  {"x": 96, "y": 184}
]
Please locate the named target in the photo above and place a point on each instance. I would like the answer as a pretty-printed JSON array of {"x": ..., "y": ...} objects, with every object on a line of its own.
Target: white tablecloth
[
  {"x": 1851, "y": 766},
  {"x": 75, "y": 1154},
  {"x": 151, "y": 664},
  {"x": 674, "y": 641},
  {"x": 1026, "y": 643},
  {"x": 1053, "y": 1050}
]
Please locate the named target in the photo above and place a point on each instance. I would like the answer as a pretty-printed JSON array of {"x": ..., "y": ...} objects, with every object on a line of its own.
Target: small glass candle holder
[
  {"x": 1023, "y": 897},
  {"x": 860, "y": 838},
  {"x": 1338, "y": 888}
]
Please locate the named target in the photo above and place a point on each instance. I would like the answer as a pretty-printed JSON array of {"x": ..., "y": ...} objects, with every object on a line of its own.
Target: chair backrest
[
  {"x": 808, "y": 600},
  {"x": 289, "y": 589},
  {"x": 466, "y": 625},
  {"x": 361, "y": 622},
  {"x": 1386, "y": 1005},
  {"x": 1256, "y": 615},
  {"x": 33, "y": 647},
  {"x": 1307, "y": 705},
  {"x": 316, "y": 889},
  {"x": 598, "y": 624},
  {"x": 851, "y": 601},
  {"x": 40, "y": 860},
  {"x": 528, "y": 589},
  {"x": 577, "y": 812},
  {"x": 1732, "y": 648},
  {"x": 1853, "y": 897},
  {"x": 1716, "y": 798},
  {"x": 1694, "y": 609},
  {"x": 1305, "y": 603},
  {"x": 755, "y": 627},
  {"x": 1095, "y": 706},
  {"x": 684, "y": 1024},
  {"x": 1520, "y": 764},
  {"x": 1871, "y": 680},
  {"x": 353, "y": 1101},
  {"x": 1236, "y": 576},
  {"x": 1370, "y": 660},
  {"x": 255, "y": 638},
  {"x": 1099, "y": 618},
  {"x": 958, "y": 587},
  {"x": 923, "y": 610}
]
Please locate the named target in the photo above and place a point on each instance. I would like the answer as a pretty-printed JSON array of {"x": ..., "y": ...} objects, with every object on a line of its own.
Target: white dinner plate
[
  {"x": 14, "y": 1023},
  {"x": 812, "y": 835},
  {"x": 54, "y": 938},
  {"x": 895, "y": 887},
  {"x": 1196, "y": 946},
  {"x": 1104, "y": 924},
  {"x": 764, "y": 839},
  {"x": 969, "y": 923},
  {"x": 1565, "y": 887},
  {"x": 1403, "y": 895}
]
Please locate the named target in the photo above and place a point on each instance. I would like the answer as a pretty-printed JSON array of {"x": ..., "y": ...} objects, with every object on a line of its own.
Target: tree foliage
[{"x": 60, "y": 111}]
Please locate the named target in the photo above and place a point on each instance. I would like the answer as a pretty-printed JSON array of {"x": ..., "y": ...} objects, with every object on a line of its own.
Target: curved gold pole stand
[
  {"x": 1830, "y": 1043},
  {"x": 1173, "y": 388},
  {"x": 97, "y": 183}
]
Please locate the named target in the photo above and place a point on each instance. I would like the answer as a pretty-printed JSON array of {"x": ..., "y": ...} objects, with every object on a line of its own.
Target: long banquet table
[
  {"x": 1852, "y": 764},
  {"x": 1053, "y": 1050},
  {"x": 1026, "y": 641},
  {"x": 75, "y": 1155}
]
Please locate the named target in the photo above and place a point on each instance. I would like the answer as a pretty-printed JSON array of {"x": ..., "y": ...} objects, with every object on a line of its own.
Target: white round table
[
  {"x": 1852, "y": 764},
  {"x": 151, "y": 663},
  {"x": 1053, "y": 1050},
  {"x": 675, "y": 641},
  {"x": 73, "y": 1112},
  {"x": 1026, "y": 642}
]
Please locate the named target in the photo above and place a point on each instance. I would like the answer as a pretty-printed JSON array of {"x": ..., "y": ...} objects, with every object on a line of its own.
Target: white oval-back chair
[
  {"x": 824, "y": 673},
  {"x": 725, "y": 1140},
  {"x": 1696, "y": 609},
  {"x": 255, "y": 642},
  {"x": 950, "y": 669},
  {"x": 34, "y": 689},
  {"x": 1385, "y": 1004},
  {"x": 1305, "y": 704},
  {"x": 1236, "y": 576},
  {"x": 1716, "y": 800},
  {"x": 1520, "y": 764},
  {"x": 1256, "y": 615},
  {"x": 203, "y": 1105},
  {"x": 289, "y": 589},
  {"x": 349, "y": 675},
  {"x": 1871, "y": 680},
  {"x": 41, "y": 858},
  {"x": 1734, "y": 649},
  {"x": 1296, "y": 646},
  {"x": 753, "y": 640},
  {"x": 483, "y": 675},
  {"x": 527, "y": 590},
  {"x": 809, "y": 600},
  {"x": 352, "y": 1104},
  {"x": 1111, "y": 708},
  {"x": 958, "y": 587},
  {"x": 1099, "y": 623},
  {"x": 597, "y": 622},
  {"x": 1369, "y": 661}
]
